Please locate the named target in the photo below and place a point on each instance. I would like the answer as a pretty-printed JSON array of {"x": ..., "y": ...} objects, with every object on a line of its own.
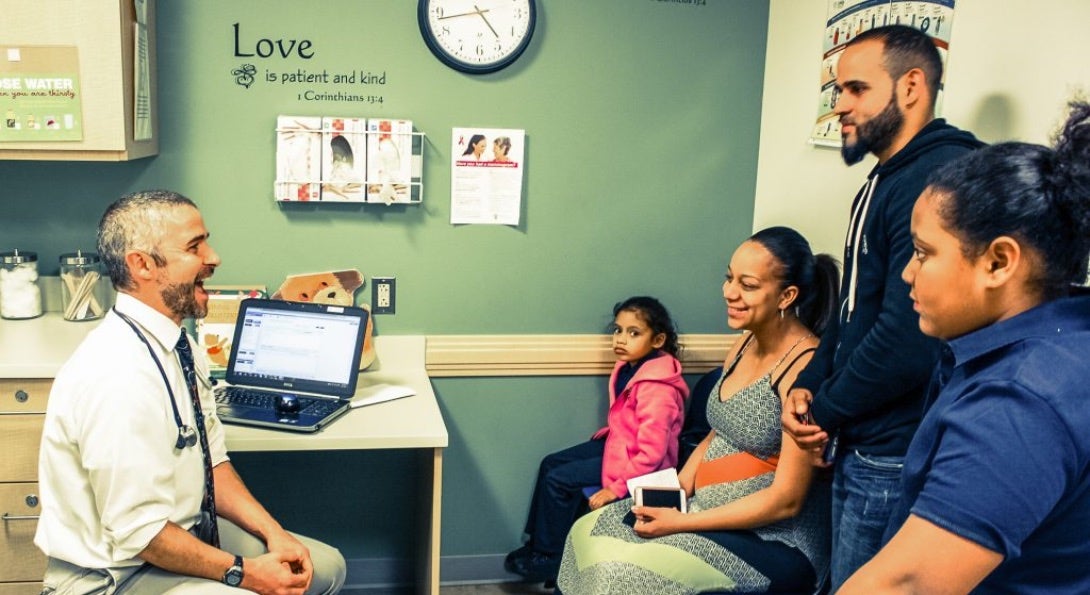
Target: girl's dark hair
[
  {"x": 652, "y": 312},
  {"x": 817, "y": 277},
  {"x": 1037, "y": 195}
]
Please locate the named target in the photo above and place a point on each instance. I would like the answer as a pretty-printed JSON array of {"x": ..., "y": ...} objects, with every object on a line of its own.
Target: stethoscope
[{"x": 187, "y": 436}]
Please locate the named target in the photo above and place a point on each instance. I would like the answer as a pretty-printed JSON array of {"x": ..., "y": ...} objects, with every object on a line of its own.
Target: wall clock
[{"x": 477, "y": 36}]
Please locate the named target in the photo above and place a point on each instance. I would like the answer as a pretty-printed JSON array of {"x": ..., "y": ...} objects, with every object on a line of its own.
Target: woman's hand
[
  {"x": 653, "y": 521},
  {"x": 601, "y": 498}
]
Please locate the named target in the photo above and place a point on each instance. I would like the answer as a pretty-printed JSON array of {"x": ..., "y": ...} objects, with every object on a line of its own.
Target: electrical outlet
[{"x": 383, "y": 295}]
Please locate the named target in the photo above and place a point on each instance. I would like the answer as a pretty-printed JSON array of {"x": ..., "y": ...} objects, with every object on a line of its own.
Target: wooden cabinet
[
  {"x": 103, "y": 33},
  {"x": 22, "y": 413}
]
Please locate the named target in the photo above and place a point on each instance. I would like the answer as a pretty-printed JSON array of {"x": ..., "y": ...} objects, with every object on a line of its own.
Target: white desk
[
  {"x": 410, "y": 422},
  {"x": 38, "y": 347}
]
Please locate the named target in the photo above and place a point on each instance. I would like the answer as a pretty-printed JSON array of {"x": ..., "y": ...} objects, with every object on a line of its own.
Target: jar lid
[
  {"x": 79, "y": 258},
  {"x": 17, "y": 257}
]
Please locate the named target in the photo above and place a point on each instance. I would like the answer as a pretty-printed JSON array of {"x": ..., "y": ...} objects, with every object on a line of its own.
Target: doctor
[{"x": 138, "y": 494}]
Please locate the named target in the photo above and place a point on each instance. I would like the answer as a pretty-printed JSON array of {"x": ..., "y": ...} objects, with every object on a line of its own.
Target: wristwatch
[{"x": 233, "y": 576}]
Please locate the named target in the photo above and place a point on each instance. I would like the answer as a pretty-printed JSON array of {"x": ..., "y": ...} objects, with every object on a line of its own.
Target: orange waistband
[{"x": 735, "y": 467}]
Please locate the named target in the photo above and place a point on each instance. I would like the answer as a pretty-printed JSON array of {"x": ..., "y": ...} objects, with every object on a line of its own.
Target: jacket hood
[
  {"x": 936, "y": 133},
  {"x": 665, "y": 369}
]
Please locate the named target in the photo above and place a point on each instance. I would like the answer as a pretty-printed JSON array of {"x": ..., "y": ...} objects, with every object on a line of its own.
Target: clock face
[{"x": 477, "y": 36}]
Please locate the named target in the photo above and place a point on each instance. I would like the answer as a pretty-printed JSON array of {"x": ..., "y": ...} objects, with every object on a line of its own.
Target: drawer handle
[
  {"x": 21, "y": 396},
  {"x": 17, "y": 517}
]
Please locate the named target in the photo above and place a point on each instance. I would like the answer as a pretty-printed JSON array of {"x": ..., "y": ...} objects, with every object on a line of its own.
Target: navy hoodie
[{"x": 870, "y": 371}]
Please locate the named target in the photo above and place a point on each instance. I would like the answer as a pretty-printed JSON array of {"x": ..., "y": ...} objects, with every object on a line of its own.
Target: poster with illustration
[
  {"x": 217, "y": 329},
  {"x": 40, "y": 95},
  {"x": 486, "y": 175},
  {"x": 849, "y": 18}
]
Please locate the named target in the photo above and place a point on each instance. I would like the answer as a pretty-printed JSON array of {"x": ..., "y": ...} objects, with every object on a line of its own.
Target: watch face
[
  {"x": 477, "y": 36},
  {"x": 234, "y": 574}
]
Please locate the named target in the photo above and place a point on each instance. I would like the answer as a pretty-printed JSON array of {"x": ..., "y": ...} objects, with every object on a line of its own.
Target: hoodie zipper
[{"x": 856, "y": 239}]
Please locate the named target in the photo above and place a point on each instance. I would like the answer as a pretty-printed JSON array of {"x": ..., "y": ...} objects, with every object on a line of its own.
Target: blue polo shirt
[{"x": 1002, "y": 457}]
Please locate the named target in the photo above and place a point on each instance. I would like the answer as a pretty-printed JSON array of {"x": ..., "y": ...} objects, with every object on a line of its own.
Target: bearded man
[
  {"x": 138, "y": 494},
  {"x": 860, "y": 399}
]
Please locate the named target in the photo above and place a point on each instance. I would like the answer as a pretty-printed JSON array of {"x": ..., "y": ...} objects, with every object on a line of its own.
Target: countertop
[{"x": 38, "y": 347}]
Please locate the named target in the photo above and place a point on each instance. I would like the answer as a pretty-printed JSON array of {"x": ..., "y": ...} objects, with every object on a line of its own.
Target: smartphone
[
  {"x": 829, "y": 455},
  {"x": 661, "y": 498}
]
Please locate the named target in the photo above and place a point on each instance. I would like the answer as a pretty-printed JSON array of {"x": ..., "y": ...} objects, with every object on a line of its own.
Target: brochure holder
[{"x": 348, "y": 159}]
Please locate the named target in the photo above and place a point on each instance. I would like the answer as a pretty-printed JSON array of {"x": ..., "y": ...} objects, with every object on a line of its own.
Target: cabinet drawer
[
  {"x": 20, "y": 560},
  {"x": 22, "y": 440},
  {"x": 24, "y": 395}
]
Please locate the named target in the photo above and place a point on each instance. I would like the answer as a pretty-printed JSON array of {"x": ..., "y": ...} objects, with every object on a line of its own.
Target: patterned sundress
[{"x": 603, "y": 555}]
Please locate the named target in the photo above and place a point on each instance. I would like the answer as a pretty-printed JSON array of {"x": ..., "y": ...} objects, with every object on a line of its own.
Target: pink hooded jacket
[{"x": 644, "y": 422}]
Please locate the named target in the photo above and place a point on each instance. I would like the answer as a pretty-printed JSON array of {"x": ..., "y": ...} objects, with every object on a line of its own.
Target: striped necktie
[{"x": 208, "y": 503}]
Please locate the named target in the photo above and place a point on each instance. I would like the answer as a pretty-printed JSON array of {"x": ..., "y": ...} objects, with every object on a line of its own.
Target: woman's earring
[{"x": 781, "y": 313}]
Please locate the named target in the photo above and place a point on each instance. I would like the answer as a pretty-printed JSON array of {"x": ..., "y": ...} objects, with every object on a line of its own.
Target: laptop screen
[{"x": 297, "y": 346}]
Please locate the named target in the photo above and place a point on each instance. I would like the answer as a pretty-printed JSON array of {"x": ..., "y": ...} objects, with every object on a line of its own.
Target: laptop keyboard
[{"x": 246, "y": 397}]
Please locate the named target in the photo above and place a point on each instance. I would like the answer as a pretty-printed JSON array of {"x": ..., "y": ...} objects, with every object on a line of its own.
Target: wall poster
[
  {"x": 141, "y": 105},
  {"x": 40, "y": 98},
  {"x": 848, "y": 18},
  {"x": 486, "y": 175}
]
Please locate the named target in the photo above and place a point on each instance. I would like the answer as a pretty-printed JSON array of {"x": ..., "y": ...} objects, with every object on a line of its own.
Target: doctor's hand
[
  {"x": 272, "y": 574},
  {"x": 654, "y": 521},
  {"x": 296, "y": 556}
]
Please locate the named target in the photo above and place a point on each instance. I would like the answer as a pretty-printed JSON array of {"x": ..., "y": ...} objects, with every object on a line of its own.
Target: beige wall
[{"x": 1013, "y": 65}]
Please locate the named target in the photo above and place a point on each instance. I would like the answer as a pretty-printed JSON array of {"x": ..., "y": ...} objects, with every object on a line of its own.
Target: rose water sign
[{"x": 40, "y": 97}]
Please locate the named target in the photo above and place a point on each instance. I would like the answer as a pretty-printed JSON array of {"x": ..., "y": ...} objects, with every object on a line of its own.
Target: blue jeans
[
  {"x": 558, "y": 493},
  {"x": 865, "y": 491}
]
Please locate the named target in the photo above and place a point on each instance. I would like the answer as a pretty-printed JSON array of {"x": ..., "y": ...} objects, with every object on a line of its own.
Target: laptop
[{"x": 293, "y": 365}]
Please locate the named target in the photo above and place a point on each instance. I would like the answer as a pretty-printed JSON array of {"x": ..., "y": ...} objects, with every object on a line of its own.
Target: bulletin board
[{"x": 40, "y": 97}]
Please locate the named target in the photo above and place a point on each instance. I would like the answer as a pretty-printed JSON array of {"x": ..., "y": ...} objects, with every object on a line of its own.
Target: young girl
[
  {"x": 754, "y": 524},
  {"x": 997, "y": 478},
  {"x": 646, "y": 408}
]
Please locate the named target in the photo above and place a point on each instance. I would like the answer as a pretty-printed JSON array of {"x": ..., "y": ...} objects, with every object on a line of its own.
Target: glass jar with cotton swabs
[{"x": 84, "y": 292}]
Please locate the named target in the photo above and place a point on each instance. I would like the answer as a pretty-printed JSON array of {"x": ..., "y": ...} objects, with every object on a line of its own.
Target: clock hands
[
  {"x": 461, "y": 14},
  {"x": 485, "y": 19},
  {"x": 475, "y": 11}
]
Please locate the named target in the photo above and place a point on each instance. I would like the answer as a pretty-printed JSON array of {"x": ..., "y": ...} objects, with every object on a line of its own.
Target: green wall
[{"x": 642, "y": 121}]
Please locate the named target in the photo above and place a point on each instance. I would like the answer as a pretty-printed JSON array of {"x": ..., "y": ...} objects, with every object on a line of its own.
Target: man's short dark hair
[{"x": 905, "y": 48}]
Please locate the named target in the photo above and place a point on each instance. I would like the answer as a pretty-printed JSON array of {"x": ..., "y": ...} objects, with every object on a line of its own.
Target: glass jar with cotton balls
[{"x": 20, "y": 296}]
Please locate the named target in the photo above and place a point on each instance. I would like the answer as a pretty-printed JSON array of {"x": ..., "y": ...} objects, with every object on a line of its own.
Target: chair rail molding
[{"x": 553, "y": 355}]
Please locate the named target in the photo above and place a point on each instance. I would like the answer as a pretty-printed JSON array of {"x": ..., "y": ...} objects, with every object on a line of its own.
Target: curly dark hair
[{"x": 652, "y": 312}]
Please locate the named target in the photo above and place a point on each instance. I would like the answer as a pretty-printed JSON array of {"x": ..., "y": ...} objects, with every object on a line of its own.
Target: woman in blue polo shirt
[{"x": 997, "y": 479}]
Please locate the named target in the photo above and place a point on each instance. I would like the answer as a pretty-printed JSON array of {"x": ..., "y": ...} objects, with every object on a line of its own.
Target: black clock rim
[{"x": 451, "y": 61}]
